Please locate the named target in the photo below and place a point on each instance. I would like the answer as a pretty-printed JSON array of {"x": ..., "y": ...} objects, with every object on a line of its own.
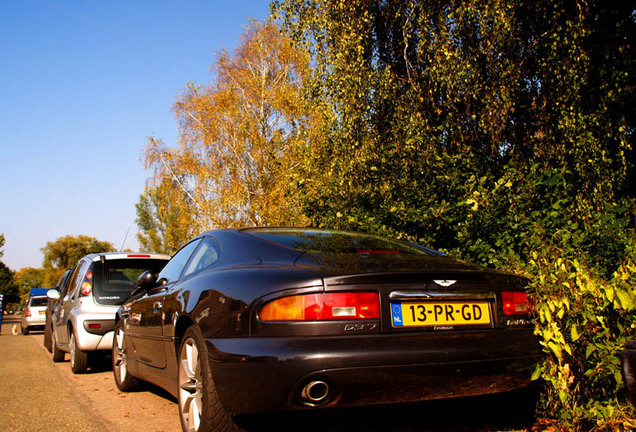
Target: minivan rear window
[{"x": 116, "y": 279}]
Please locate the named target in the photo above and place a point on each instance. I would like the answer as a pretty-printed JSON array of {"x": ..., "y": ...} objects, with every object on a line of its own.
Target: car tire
[
  {"x": 46, "y": 341},
  {"x": 58, "y": 354},
  {"x": 199, "y": 405},
  {"x": 25, "y": 331},
  {"x": 79, "y": 358},
  {"x": 123, "y": 379}
]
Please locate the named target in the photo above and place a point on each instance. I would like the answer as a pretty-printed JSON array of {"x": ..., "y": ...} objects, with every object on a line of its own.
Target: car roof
[{"x": 38, "y": 291}]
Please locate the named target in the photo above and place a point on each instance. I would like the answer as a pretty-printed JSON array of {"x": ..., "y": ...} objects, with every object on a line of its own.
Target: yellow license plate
[{"x": 440, "y": 314}]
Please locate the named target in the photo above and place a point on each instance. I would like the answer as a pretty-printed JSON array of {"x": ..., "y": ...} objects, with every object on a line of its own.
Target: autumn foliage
[
  {"x": 501, "y": 131},
  {"x": 241, "y": 138}
]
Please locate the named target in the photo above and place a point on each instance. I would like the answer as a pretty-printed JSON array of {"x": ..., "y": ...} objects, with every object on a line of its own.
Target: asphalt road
[
  {"x": 39, "y": 395},
  {"x": 32, "y": 392}
]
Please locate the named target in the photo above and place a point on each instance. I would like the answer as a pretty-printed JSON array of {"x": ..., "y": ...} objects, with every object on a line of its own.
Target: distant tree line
[
  {"x": 8, "y": 288},
  {"x": 59, "y": 255}
]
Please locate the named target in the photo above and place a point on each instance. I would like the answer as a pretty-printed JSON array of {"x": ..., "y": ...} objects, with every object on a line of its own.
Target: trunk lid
[{"x": 421, "y": 292}]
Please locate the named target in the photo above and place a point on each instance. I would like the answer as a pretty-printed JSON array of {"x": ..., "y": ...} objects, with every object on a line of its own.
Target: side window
[
  {"x": 67, "y": 283},
  {"x": 77, "y": 277},
  {"x": 206, "y": 254},
  {"x": 173, "y": 269},
  {"x": 60, "y": 282}
]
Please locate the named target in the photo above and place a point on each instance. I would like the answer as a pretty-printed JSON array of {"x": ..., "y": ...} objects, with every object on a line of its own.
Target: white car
[
  {"x": 84, "y": 320},
  {"x": 34, "y": 315}
]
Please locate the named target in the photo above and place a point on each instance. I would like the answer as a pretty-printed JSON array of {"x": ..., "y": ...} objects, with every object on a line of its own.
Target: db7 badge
[{"x": 360, "y": 327}]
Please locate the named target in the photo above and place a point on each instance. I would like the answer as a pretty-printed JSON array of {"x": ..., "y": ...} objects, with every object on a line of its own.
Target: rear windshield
[
  {"x": 324, "y": 241},
  {"x": 38, "y": 301},
  {"x": 115, "y": 280}
]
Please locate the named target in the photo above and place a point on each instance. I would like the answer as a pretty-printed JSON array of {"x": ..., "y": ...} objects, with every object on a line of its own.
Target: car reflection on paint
[{"x": 278, "y": 319}]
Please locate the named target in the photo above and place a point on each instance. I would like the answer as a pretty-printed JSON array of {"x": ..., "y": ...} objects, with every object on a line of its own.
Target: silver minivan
[
  {"x": 34, "y": 315},
  {"x": 84, "y": 320}
]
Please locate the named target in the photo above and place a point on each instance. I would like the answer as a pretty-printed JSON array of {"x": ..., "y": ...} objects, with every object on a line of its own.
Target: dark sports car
[{"x": 273, "y": 319}]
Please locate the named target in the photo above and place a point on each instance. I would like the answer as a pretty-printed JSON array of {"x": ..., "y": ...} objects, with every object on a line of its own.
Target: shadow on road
[{"x": 510, "y": 411}]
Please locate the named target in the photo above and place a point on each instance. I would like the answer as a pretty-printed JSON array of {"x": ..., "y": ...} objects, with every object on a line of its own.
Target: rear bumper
[
  {"x": 87, "y": 314},
  {"x": 95, "y": 339},
  {"x": 94, "y": 342},
  {"x": 269, "y": 374},
  {"x": 36, "y": 321}
]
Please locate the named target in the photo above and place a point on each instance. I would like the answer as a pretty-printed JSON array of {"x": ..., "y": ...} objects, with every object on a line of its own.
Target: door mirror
[
  {"x": 53, "y": 294},
  {"x": 146, "y": 281}
]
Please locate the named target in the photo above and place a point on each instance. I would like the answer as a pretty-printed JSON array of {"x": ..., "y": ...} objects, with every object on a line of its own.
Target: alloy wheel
[
  {"x": 190, "y": 385},
  {"x": 58, "y": 354},
  {"x": 120, "y": 361},
  {"x": 79, "y": 358}
]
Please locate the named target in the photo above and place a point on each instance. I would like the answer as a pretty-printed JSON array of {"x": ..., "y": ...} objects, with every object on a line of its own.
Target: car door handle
[{"x": 158, "y": 305}]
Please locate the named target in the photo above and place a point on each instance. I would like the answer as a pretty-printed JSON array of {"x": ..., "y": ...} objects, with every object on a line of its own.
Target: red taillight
[
  {"x": 87, "y": 289},
  {"x": 138, "y": 256},
  {"x": 515, "y": 303},
  {"x": 94, "y": 326},
  {"x": 27, "y": 313},
  {"x": 322, "y": 307}
]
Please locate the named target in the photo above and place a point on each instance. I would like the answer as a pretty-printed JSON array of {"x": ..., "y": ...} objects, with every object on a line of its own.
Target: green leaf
[
  {"x": 536, "y": 374},
  {"x": 626, "y": 300},
  {"x": 556, "y": 349}
]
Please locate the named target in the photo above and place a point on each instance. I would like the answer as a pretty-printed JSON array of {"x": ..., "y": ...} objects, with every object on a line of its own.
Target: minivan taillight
[
  {"x": 27, "y": 313},
  {"x": 515, "y": 303},
  {"x": 87, "y": 288},
  {"x": 323, "y": 307}
]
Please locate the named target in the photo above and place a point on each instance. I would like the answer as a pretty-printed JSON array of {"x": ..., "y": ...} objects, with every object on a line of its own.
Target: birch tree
[{"x": 241, "y": 137}]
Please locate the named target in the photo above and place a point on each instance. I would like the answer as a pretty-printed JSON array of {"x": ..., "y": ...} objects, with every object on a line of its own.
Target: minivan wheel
[
  {"x": 25, "y": 331},
  {"x": 79, "y": 358},
  {"x": 46, "y": 341},
  {"x": 123, "y": 380},
  {"x": 58, "y": 354},
  {"x": 199, "y": 406}
]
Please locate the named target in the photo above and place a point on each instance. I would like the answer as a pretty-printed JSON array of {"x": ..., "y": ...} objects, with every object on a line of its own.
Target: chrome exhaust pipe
[{"x": 315, "y": 393}]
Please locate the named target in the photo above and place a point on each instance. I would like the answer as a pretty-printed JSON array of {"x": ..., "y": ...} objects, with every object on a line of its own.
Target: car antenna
[{"x": 125, "y": 237}]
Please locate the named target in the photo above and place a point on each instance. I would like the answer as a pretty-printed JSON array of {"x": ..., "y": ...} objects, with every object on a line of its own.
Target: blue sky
[{"x": 83, "y": 84}]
